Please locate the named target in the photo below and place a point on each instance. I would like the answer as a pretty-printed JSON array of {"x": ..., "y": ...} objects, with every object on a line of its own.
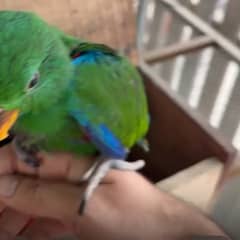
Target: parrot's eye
[{"x": 33, "y": 82}]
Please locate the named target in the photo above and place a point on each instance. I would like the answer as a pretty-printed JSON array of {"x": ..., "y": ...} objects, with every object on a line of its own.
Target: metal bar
[
  {"x": 178, "y": 49},
  {"x": 227, "y": 45}
]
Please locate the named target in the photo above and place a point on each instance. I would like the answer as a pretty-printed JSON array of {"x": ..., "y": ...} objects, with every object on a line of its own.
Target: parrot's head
[{"x": 35, "y": 67}]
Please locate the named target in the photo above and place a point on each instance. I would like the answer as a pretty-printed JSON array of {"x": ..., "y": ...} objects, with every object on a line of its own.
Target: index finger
[{"x": 64, "y": 166}]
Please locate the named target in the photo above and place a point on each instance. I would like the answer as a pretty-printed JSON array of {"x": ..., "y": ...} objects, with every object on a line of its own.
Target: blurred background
[{"x": 198, "y": 65}]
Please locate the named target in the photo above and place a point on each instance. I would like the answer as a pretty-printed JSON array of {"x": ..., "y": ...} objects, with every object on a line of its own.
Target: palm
[{"x": 65, "y": 167}]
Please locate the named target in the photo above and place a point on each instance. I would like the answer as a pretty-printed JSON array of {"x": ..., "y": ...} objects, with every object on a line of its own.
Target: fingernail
[{"x": 8, "y": 185}]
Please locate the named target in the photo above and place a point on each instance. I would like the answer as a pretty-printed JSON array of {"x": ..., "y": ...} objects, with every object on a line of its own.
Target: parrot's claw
[
  {"x": 95, "y": 175},
  {"x": 32, "y": 161},
  {"x": 26, "y": 154},
  {"x": 89, "y": 173}
]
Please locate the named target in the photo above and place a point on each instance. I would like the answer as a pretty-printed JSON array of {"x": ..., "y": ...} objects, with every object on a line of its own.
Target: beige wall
[{"x": 108, "y": 21}]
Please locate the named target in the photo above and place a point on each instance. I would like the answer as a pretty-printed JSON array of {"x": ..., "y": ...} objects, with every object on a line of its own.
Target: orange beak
[{"x": 7, "y": 119}]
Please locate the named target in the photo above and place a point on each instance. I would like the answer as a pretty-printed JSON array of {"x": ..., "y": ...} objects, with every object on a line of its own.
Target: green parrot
[{"x": 59, "y": 93}]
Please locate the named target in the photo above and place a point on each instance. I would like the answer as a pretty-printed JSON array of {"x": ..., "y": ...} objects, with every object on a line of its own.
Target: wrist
[{"x": 183, "y": 221}]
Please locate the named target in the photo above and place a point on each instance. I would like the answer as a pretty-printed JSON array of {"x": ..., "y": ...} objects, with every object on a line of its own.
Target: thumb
[{"x": 41, "y": 197}]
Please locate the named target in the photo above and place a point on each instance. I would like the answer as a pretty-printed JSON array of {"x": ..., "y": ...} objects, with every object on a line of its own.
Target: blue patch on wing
[
  {"x": 101, "y": 137},
  {"x": 87, "y": 57},
  {"x": 93, "y": 57}
]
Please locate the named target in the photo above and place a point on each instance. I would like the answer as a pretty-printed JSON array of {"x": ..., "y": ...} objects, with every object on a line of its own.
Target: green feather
[{"x": 109, "y": 91}]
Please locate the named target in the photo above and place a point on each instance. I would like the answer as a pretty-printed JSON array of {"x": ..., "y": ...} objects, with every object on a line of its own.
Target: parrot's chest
[
  {"x": 48, "y": 122},
  {"x": 50, "y": 126},
  {"x": 53, "y": 130}
]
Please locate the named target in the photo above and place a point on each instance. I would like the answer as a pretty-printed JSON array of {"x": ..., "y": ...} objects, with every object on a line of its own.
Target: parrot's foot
[
  {"x": 95, "y": 175},
  {"x": 26, "y": 153}
]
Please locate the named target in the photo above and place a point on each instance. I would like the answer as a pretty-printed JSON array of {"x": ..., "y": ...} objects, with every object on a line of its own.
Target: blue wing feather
[
  {"x": 101, "y": 137},
  {"x": 90, "y": 57}
]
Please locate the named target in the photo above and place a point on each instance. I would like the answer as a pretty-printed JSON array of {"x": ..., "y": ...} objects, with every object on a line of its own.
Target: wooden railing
[{"x": 189, "y": 54}]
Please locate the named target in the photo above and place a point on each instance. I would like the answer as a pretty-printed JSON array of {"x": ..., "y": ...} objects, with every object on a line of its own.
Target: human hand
[
  {"x": 59, "y": 198},
  {"x": 55, "y": 167},
  {"x": 124, "y": 206}
]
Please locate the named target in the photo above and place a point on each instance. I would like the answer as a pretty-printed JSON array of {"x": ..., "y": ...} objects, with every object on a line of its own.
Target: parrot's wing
[
  {"x": 108, "y": 99},
  {"x": 104, "y": 140}
]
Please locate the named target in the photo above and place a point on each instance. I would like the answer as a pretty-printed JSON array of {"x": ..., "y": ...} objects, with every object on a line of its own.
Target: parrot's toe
[
  {"x": 32, "y": 161},
  {"x": 29, "y": 159},
  {"x": 26, "y": 154},
  {"x": 99, "y": 172}
]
